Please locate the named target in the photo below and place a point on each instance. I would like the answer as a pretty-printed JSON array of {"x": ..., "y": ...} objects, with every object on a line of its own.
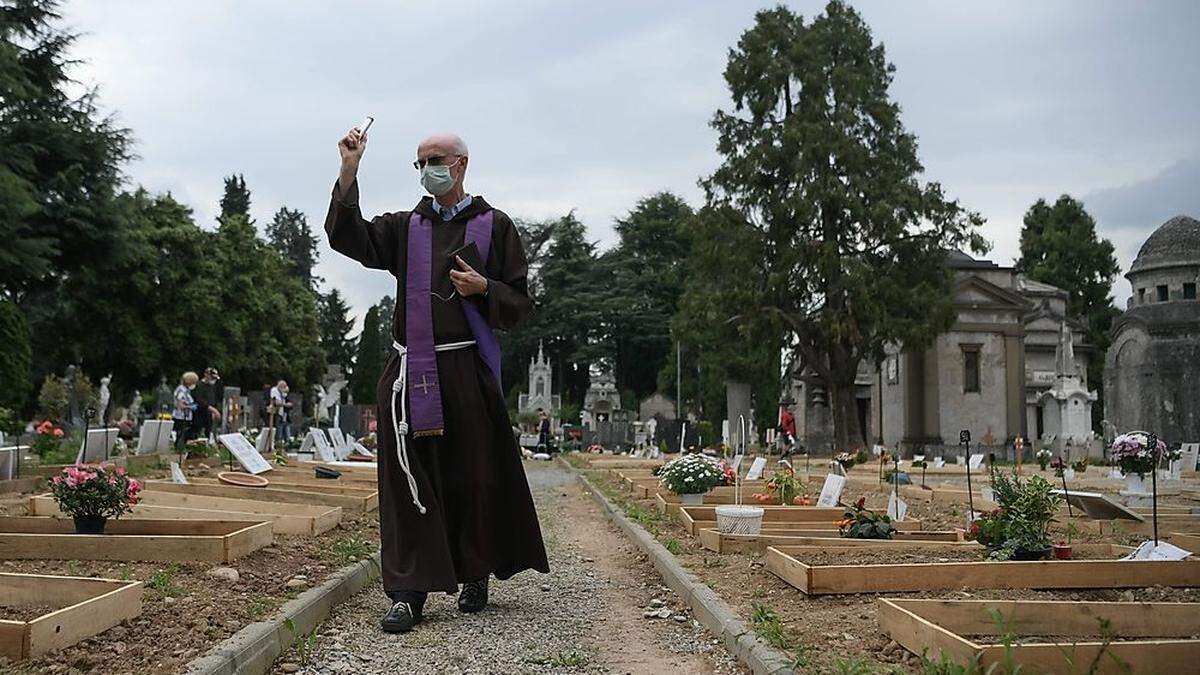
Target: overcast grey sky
[{"x": 591, "y": 105}]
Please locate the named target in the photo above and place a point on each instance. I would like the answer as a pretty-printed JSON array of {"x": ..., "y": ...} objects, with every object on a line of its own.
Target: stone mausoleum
[
  {"x": 1152, "y": 371},
  {"x": 1013, "y": 364},
  {"x": 539, "y": 397}
]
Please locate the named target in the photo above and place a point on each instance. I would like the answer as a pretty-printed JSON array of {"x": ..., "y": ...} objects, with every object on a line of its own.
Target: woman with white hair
[{"x": 185, "y": 408}]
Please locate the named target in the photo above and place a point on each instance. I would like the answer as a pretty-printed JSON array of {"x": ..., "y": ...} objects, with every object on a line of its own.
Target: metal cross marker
[{"x": 424, "y": 385}]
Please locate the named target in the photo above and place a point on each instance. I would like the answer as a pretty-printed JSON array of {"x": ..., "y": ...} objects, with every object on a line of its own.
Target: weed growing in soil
[
  {"x": 351, "y": 549},
  {"x": 768, "y": 626},
  {"x": 644, "y": 517},
  {"x": 715, "y": 562},
  {"x": 569, "y": 659},
  {"x": 673, "y": 546},
  {"x": 163, "y": 582},
  {"x": 801, "y": 661},
  {"x": 852, "y": 666},
  {"x": 305, "y": 644}
]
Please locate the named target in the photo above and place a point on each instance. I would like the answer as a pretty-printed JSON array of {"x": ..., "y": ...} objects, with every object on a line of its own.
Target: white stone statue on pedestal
[{"x": 105, "y": 397}]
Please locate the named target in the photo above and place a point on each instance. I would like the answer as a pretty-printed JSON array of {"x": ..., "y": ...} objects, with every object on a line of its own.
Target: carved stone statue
[{"x": 105, "y": 396}]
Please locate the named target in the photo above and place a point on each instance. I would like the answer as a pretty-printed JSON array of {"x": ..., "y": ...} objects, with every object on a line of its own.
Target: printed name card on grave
[
  {"x": 96, "y": 446},
  {"x": 756, "y": 468},
  {"x": 976, "y": 462},
  {"x": 939, "y": 462},
  {"x": 897, "y": 508},
  {"x": 245, "y": 453},
  {"x": 737, "y": 463},
  {"x": 831, "y": 491},
  {"x": 177, "y": 474},
  {"x": 337, "y": 438}
]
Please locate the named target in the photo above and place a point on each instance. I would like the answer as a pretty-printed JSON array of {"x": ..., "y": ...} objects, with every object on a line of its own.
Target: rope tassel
[{"x": 400, "y": 424}]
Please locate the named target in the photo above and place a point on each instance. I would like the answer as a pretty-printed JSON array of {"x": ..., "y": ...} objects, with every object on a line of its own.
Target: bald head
[{"x": 441, "y": 144}]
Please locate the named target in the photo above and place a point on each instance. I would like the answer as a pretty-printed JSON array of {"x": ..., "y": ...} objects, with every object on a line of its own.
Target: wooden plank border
[
  {"x": 756, "y": 544},
  {"x": 90, "y": 607},
  {"x": 933, "y": 628},
  {"x": 949, "y": 576},
  {"x": 350, "y": 503},
  {"x": 35, "y": 538}
]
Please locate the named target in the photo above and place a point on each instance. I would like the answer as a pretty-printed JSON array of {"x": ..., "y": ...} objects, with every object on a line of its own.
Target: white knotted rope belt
[{"x": 400, "y": 414}]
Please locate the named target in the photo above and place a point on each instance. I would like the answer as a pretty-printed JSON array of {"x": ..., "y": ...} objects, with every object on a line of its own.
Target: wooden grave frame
[
  {"x": 757, "y": 544},
  {"x": 1148, "y": 636},
  {"x": 350, "y": 503},
  {"x": 285, "y": 519},
  {"x": 952, "y": 576},
  {"x": 89, "y": 607},
  {"x": 36, "y": 538},
  {"x": 696, "y": 518}
]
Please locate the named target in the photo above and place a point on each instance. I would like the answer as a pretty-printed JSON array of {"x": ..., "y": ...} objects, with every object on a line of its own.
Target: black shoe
[
  {"x": 474, "y": 596},
  {"x": 401, "y": 617}
]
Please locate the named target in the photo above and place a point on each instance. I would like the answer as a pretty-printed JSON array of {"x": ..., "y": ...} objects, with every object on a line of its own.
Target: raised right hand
[{"x": 352, "y": 146}]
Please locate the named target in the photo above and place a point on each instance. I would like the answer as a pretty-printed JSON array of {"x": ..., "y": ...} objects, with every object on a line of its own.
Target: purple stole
[{"x": 424, "y": 391}]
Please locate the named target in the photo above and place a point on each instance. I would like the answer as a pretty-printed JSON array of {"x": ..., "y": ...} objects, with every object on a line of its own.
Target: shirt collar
[{"x": 448, "y": 212}]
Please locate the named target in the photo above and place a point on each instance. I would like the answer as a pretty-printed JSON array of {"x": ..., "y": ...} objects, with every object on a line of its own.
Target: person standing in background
[
  {"x": 282, "y": 406},
  {"x": 184, "y": 409},
  {"x": 208, "y": 396}
]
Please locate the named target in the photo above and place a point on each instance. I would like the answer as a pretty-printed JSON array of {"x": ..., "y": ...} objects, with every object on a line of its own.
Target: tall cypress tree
[
  {"x": 236, "y": 200},
  {"x": 333, "y": 318},
  {"x": 290, "y": 235},
  {"x": 368, "y": 359}
]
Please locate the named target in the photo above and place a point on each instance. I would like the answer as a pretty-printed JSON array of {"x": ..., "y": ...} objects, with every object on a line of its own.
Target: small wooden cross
[{"x": 424, "y": 385}]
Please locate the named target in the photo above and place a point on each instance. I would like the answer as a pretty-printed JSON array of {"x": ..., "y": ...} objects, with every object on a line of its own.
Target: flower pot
[
  {"x": 692, "y": 500},
  {"x": 89, "y": 524},
  {"x": 1062, "y": 551},
  {"x": 1135, "y": 483},
  {"x": 1032, "y": 554}
]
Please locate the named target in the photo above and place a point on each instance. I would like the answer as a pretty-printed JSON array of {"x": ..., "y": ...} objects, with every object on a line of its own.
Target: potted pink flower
[
  {"x": 1132, "y": 452},
  {"x": 91, "y": 494}
]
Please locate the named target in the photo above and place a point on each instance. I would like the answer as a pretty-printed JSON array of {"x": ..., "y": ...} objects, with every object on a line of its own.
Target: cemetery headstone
[
  {"x": 976, "y": 462},
  {"x": 177, "y": 474},
  {"x": 340, "y": 447},
  {"x": 154, "y": 437},
  {"x": 939, "y": 462},
  {"x": 97, "y": 446},
  {"x": 1189, "y": 455},
  {"x": 244, "y": 453},
  {"x": 897, "y": 508},
  {"x": 831, "y": 491},
  {"x": 8, "y": 463},
  {"x": 324, "y": 450},
  {"x": 737, "y": 463},
  {"x": 262, "y": 444},
  {"x": 756, "y": 468}
]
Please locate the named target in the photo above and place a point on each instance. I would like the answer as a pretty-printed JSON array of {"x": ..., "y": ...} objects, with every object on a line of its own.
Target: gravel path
[{"x": 586, "y": 616}]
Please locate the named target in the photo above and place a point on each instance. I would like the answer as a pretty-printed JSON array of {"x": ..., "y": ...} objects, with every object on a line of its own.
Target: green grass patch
[
  {"x": 768, "y": 626},
  {"x": 163, "y": 582},
  {"x": 673, "y": 546},
  {"x": 351, "y": 549}
]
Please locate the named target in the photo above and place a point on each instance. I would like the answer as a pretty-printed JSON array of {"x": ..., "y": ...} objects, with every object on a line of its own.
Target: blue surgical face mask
[{"x": 437, "y": 179}]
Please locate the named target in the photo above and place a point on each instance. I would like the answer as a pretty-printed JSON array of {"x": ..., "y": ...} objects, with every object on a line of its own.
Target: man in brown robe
[{"x": 454, "y": 503}]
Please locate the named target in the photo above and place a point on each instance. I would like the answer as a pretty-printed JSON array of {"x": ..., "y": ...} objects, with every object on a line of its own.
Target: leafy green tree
[
  {"x": 59, "y": 157},
  {"x": 845, "y": 245},
  {"x": 369, "y": 359},
  {"x": 644, "y": 274},
  {"x": 269, "y": 317},
  {"x": 720, "y": 343},
  {"x": 150, "y": 308},
  {"x": 236, "y": 199},
  {"x": 333, "y": 316},
  {"x": 15, "y": 356},
  {"x": 291, "y": 237},
  {"x": 1060, "y": 247},
  {"x": 387, "y": 311}
]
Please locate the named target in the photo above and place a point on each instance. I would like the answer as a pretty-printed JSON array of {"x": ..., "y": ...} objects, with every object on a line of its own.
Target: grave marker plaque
[
  {"x": 831, "y": 491},
  {"x": 177, "y": 474},
  {"x": 246, "y": 454},
  {"x": 154, "y": 438},
  {"x": 97, "y": 445},
  {"x": 756, "y": 468}
]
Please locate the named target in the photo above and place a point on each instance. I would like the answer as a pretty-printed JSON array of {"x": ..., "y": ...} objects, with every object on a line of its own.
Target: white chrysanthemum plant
[{"x": 691, "y": 474}]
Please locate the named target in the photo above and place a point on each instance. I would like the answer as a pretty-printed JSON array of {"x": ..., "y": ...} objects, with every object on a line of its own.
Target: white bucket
[{"x": 736, "y": 519}]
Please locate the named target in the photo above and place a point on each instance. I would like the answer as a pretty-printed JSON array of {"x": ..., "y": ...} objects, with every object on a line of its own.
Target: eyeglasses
[{"x": 436, "y": 160}]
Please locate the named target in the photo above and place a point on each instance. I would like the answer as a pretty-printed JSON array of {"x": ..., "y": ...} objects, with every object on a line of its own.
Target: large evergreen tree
[
  {"x": 15, "y": 381},
  {"x": 1060, "y": 247},
  {"x": 333, "y": 317},
  {"x": 845, "y": 244},
  {"x": 644, "y": 275},
  {"x": 369, "y": 359},
  {"x": 236, "y": 199},
  {"x": 291, "y": 237},
  {"x": 59, "y": 157}
]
